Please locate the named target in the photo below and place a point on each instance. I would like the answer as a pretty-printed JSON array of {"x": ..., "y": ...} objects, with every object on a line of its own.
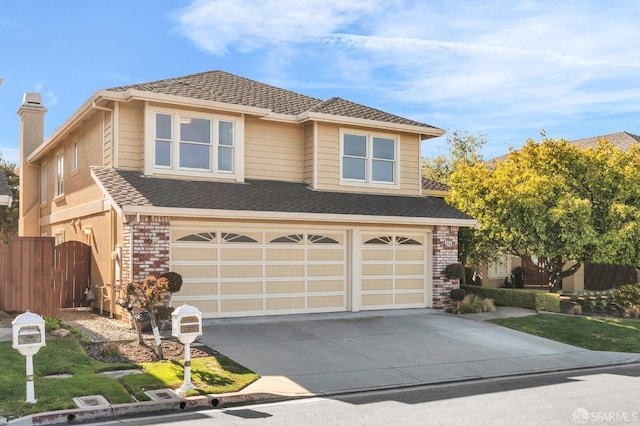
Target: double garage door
[{"x": 237, "y": 270}]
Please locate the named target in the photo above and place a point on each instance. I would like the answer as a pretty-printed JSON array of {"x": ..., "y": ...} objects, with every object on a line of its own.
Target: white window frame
[
  {"x": 59, "y": 236},
  {"x": 501, "y": 267},
  {"x": 237, "y": 147},
  {"x": 43, "y": 183},
  {"x": 59, "y": 188},
  {"x": 369, "y": 159}
]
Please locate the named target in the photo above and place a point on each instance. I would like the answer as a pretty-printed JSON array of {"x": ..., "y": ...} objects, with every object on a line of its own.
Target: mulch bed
[{"x": 133, "y": 352}]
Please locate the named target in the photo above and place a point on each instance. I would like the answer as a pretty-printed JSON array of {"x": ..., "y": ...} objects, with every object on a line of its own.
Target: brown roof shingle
[
  {"x": 130, "y": 188},
  {"x": 221, "y": 86},
  {"x": 623, "y": 140}
]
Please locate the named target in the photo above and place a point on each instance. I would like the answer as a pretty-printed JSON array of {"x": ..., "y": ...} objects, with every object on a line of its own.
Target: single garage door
[
  {"x": 236, "y": 271},
  {"x": 394, "y": 271}
]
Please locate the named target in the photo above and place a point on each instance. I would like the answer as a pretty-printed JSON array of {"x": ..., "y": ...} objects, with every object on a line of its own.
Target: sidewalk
[{"x": 301, "y": 356}]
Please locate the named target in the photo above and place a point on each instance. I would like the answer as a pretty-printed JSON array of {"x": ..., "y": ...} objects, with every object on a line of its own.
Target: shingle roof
[
  {"x": 130, "y": 188},
  {"x": 5, "y": 189},
  {"x": 432, "y": 185},
  {"x": 224, "y": 87},
  {"x": 622, "y": 140}
]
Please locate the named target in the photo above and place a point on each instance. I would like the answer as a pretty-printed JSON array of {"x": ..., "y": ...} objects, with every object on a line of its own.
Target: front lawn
[
  {"x": 66, "y": 355},
  {"x": 595, "y": 333}
]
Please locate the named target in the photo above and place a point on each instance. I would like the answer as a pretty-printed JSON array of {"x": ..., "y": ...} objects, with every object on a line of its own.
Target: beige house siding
[
  {"x": 130, "y": 135},
  {"x": 108, "y": 142},
  {"x": 309, "y": 133},
  {"x": 274, "y": 151},
  {"x": 328, "y": 163}
]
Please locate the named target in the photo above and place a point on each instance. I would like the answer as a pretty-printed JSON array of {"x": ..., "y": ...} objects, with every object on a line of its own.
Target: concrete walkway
[{"x": 327, "y": 354}]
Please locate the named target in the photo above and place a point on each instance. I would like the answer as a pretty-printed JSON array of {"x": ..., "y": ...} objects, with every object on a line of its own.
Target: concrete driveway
[{"x": 343, "y": 352}]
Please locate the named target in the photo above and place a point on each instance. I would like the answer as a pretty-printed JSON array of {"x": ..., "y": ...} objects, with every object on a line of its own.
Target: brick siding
[
  {"x": 445, "y": 252},
  {"x": 149, "y": 250}
]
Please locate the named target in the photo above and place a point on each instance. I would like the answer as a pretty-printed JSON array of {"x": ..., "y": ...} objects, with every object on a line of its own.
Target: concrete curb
[{"x": 128, "y": 410}]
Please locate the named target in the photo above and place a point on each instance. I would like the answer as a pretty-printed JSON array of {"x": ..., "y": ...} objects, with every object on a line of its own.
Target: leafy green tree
[
  {"x": 9, "y": 215},
  {"x": 565, "y": 204},
  {"x": 464, "y": 150}
]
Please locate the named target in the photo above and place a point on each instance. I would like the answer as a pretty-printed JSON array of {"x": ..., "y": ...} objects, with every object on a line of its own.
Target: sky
[{"x": 506, "y": 70}]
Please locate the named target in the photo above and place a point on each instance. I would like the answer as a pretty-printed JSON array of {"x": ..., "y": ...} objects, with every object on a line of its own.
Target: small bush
[
  {"x": 472, "y": 304},
  {"x": 457, "y": 294},
  {"x": 175, "y": 281},
  {"x": 51, "y": 324},
  {"x": 576, "y": 310},
  {"x": 626, "y": 296},
  {"x": 454, "y": 271},
  {"x": 110, "y": 350}
]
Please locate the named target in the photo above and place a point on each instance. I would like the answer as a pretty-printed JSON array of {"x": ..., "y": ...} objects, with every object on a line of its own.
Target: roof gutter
[
  {"x": 289, "y": 217},
  {"x": 424, "y": 132},
  {"x": 80, "y": 115}
]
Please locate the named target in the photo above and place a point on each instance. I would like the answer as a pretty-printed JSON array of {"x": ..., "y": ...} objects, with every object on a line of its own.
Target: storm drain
[
  {"x": 90, "y": 401},
  {"x": 162, "y": 394}
]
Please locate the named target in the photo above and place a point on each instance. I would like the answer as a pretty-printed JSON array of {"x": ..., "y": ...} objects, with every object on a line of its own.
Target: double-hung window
[
  {"x": 369, "y": 158},
  {"x": 194, "y": 143}
]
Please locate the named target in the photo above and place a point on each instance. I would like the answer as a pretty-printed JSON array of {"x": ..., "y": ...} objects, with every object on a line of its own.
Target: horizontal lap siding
[
  {"x": 274, "y": 151},
  {"x": 130, "y": 135}
]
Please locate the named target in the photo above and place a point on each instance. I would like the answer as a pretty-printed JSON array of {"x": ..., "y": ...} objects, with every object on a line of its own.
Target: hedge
[{"x": 518, "y": 298}]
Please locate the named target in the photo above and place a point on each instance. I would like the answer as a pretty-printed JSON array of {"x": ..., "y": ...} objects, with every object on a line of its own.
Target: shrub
[
  {"x": 51, "y": 324},
  {"x": 626, "y": 296},
  {"x": 519, "y": 298},
  {"x": 576, "y": 310},
  {"x": 175, "y": 281},
  {"x": 518, "y": 277},
  {"x": 457, "y": 294},
  {"x": 473, "y": 303},
  {"x": 109, "y": 350},
  {"x": 631, "y": 312},
  {"x": 454, "y": 271}
]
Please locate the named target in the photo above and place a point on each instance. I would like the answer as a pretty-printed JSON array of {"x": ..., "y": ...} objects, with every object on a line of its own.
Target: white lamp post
[
  {"x": 28, "y": 338},
  {"x": 186, "y": 325}
]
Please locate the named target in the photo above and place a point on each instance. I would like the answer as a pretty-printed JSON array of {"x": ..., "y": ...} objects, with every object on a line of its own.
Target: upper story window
[
  {"x": 195, "y": 143},
  {"x": 59, "y": 174},
  {"x": 369, "y": 158}
]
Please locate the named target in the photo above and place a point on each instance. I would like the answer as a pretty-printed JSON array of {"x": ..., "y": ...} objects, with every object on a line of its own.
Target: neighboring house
[
  {"x": 5, "y": 191},
  {"x": 589, "y": 276},
  {"x": 266, "y": 201}
]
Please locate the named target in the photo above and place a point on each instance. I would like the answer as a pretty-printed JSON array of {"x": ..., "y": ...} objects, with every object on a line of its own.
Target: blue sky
[{"x": 506, "y": 69}]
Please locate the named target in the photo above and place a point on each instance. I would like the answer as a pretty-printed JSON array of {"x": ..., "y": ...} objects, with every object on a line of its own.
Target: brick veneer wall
[
  {"x": 445, "y": 252},
  {"x": 146, "y": 243}
]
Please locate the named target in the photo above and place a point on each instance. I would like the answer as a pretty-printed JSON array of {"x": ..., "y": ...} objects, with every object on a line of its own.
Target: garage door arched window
[{"x": 390, "y": 240}]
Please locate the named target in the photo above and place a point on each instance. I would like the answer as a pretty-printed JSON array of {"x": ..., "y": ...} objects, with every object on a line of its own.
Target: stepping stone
[
  {"x": 162, "y": 394},
  {"x": 90, "y": 401},
  {"x": 116, "y": 374}
]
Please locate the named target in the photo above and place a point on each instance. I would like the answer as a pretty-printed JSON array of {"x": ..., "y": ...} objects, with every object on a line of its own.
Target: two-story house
[{"x": 266, "y": 201}]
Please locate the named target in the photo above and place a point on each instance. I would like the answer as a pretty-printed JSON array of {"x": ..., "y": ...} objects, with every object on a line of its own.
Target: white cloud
[
  {"x": 492, "y": 63},
  {"x": 249, "y": 25}
]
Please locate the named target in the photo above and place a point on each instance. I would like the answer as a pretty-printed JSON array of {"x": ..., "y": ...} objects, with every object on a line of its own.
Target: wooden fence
[{"x": 41, "y": 277}]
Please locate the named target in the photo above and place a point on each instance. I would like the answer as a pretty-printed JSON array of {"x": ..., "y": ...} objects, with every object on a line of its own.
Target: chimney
[{"x": 31, "y": 114}]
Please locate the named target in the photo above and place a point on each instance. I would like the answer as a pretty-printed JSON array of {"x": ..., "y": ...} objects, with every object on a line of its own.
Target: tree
[
  {"x": 147, "y": 295},
  {"x": 9, "y": 216},
  {"x": 464, "y": 149},
  {"x": 565, "y": 204}
]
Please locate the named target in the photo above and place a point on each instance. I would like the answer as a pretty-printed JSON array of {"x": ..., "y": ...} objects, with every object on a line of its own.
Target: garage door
[
  {"x": 232, "y": 271},
  {"x": 394, "y": 271}
]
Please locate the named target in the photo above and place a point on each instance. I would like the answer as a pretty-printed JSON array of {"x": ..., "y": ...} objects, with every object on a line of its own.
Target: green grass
[
  {"x": 66, "y": 356},
  {"x": 595, "y": 333}
]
